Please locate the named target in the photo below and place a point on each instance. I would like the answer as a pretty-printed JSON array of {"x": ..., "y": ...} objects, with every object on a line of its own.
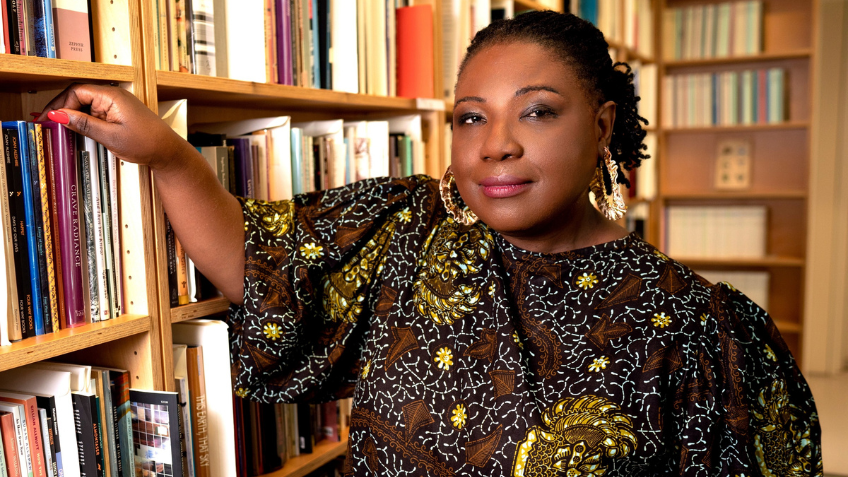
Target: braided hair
[{"x": 582, "y": 47}]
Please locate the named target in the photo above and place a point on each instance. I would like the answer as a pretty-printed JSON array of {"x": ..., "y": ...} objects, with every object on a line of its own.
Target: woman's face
[{"x": 526, "y": 141}]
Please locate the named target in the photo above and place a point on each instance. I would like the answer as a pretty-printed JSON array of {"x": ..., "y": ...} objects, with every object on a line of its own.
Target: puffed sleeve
[
  {"x": 312, "y": 272},
  {"x": 741, "y": 406}
]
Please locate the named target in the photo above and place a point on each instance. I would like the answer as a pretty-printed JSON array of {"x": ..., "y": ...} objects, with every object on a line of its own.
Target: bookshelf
[
  {"x": 132, "y": 340},
  {"x": 779, "y": 159}
]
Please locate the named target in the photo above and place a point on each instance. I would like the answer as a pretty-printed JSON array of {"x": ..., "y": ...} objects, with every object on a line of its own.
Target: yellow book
[{"x": 52, "y": 291}]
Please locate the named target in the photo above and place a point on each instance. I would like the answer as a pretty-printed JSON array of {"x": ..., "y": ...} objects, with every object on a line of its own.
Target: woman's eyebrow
[
  {"x": 530, "y": 89},
  {"x": 476, "y": 99}
]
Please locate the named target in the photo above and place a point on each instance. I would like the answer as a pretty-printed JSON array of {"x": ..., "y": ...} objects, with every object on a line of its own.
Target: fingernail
[
  {"x": 60, "y": 117},
  {"x": 35, "y": 115}
]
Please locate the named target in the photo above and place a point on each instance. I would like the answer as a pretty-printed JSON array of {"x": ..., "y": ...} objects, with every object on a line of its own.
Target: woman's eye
[
  {"x": 471, "y": 119},
  {"x": 541, "y": 113}
]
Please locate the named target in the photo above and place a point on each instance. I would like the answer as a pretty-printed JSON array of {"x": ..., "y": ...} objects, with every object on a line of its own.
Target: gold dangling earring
[
  {"x": 610, "y": 204},
  {"x": 460, "y": 215}
]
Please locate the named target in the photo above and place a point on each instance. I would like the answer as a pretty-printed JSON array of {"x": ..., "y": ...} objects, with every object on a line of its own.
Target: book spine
[
  {"x": 107, "y": 425},
  {"x": 203, "y": 21},
  {"x": 52, "y": 294},
  {"x": 10, "y": 445},
  {"x": 188, "y": 12},
  {"x": 46, "y": 437},
  {"x": 30, "y": 228},
  {"x": 23, "y": 27},
  {"x": 58, "y": 314},
  {"x": 170, "y": 246},
  {"x": 199, "y": 418},
  {"x": 97, "y": 221},
  {"x": 36, "y": 26},
  {"x": 118, "y": 305},
  {"x": 97, "y": 427},
  {"x": 49, "y": 403},
  {"x": 8, "y": 204},
  {"x": 84, "y": 424},
  {"x": 19, "y": 242},
  {"x": 35, "y": 158},
  {"x": 182, "y": 272},
  {"x": 4, "y": 27},
  {"x": 69, "y": 228},
  {"x": 106, "y": 233},
  {"x": 35, "y": 449},
  {"x": 120, "y": 388},
  {"x": 88, "y": 221}
]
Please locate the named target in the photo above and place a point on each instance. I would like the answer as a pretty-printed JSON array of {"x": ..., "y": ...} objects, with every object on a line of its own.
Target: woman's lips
[{"x": 501, "y": 187}]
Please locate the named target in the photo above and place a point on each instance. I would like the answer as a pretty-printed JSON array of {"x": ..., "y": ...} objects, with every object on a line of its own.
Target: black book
[
  {"x": 14, "y": 180},
  {"x": 85, "y": 413},
  {"x": 202, "y": 139},
  {"x": 171, "y": 248},
  {"x": 99, "y": 435},
  {"x": 51, "y": 440},
  {"x": 324, "y": 44},
  {"x": 36, "y": 160},
  {"x": 304, "y": 428},
  {"x": 14, "y": 36},
  {"x": 155, "y": 420},
  {"x": 48, "y": 403}
]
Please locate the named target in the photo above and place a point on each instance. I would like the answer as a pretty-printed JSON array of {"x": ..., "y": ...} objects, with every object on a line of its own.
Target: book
[
  {"x": 212, "y": 336},
  {"x": 46, "y": 439},
  {"x": 72, "y": 22},
  {"x": 414, "y": 50},
  {"x": 155, "y": 421},
  {"x": 10, "y": 327},
  {"x": 713, "y": 231},
  {"x": 184, "y": 399},
  {"x": 88, "y": 446},
  {"x": 343, "y": 37},
  {"x": 35, "y": 444},
  {"x": 105, "y": 423},
  {"x": 41, "y": 200},
  {"x": 32, "y": 159},
  {"x": 196, "y": 378},
  {"x": 754, "y": 284},
  {"x": 52, "y": 242},
  {"x": 19, "y": 434},
  {"x": 66, "y": 205},
  {"x": 92, "y": 298},
  {"x": 53, "y": 381},
  {"x": 10, "y": 446},
  {"x": 119, "y": 386},
  {"x": 49, "y": 404},
  {"x": 111, "y": 248}
]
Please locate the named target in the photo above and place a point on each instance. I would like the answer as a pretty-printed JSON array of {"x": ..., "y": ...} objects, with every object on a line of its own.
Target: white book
[
  {"x": 775, "y": 79},
  {"x": 697, "y": 45},
  {"x": 482, "y": 14},
  {"x": 344, "y": 55},
  {"x": 181, "y": 371},
  {"x": 375, "y": 44},
  {"x": 669, "y": 33},
  {"x": 45, "y": 440},
  {"x": 56, "y": 383},
  {"x": 450, "y": 45},
  {"x": 378, "y": 140},
  {"x": 648, "y": 93},
  {"x": 213, "y": 337},
  {"x": 755, "y": 285},
  {"x": 97, "y": 214},
  {"x": 191, "y": 273},
  {"x": 709, "y": 31},
  {"x": 716, "y": 231},
  {"x": 629, "y": 20},
  {"x": 118, "y": 305},
  {"x": 756, "y": 27},
  {"x": 222, "y": 66},
  {"x": 739, "y": 17},
  {"x": 410, "y": 125},
  {"x": 333, "y": 130},
  {"x": 723, "y": 30},
  {"x": 245, "y": 39},
  {"x": 646, "y": 175}
]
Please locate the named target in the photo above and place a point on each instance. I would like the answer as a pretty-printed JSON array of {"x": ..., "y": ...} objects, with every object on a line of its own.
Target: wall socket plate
[{"x": 733, "y": 165}]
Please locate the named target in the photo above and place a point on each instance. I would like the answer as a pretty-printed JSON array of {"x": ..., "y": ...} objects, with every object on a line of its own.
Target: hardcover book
[
  {"x": 71, "y": 19},
  {"x": 7, "y": 204},
  {"x": 10, "y": 444},
  {"x": 155, "y": 430},
  {"x": 85, "y": 415},
  {"x": 33, "y": 426},
  {"x": 50, "y": 298}
]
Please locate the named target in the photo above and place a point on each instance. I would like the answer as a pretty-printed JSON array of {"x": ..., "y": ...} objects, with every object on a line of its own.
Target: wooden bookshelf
[
  {"x": 302, "y": 465},
  {"x": 779, "y": 160},
  {"x": 748, "y": 60},
  {"x": 24, "y": 73},
  {"x": 212, "y": 306},
  {"x": 522, "y": 5}
]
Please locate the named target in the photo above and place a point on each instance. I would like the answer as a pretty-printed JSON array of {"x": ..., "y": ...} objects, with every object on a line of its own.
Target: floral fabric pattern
[{"x": 467, "y": 356}]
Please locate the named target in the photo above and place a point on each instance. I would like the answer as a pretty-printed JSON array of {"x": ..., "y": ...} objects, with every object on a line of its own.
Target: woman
[{"x": 540, "y": 339}]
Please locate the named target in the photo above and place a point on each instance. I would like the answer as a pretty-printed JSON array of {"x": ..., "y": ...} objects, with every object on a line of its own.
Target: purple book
[
  {"x": 66, "y": 208},
  {"x": 243, "y": 165},
  {"x": 284, "y": 41}
]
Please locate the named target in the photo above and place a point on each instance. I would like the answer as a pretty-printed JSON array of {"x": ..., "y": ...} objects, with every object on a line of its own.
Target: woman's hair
[{"x": 581, "y": 46}]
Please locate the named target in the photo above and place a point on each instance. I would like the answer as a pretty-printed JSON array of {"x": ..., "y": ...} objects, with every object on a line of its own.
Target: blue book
[
  {"x": 37, "y": 27},
  {"x": 316, "y": 46},
  {"x": 243, "y": 159},
  {"x": 38, "y": 221},
  {"x": 29, "y": 223},
  {"x": 716, "y": 97},
  {"x": 48, "y": 28}
]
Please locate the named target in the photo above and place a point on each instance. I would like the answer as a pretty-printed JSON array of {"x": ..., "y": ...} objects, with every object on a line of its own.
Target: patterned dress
[{"x": 466, "y": 355}]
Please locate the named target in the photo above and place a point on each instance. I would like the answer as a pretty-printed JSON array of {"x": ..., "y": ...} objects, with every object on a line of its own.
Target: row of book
[
  {"x": 715, "y": 30},
  {"x": 716, "y": 231},
  {"x": 47, "y": 29},
  {"x": 71, "y": 420},
  {"x": 627, "y": 22},
  {"x": 61, "y": 233},
  {"x": 754, "y": 284},
  {"x": 725, "y": 99},
  {"x": 645, "y": 86},
  {"x": 275, "y": 159},
  {"x": 380, "y": 47}
]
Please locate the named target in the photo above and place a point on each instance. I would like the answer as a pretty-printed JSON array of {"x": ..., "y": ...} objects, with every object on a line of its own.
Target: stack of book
[
  {"x": 626, "y": 22},
  {"x": 713, "y": 30},
  {"x": 356, "y": 46},
  {"x": 725, "y": 99},
  {"x": 716, "y": 231},
  {"x": 61, "y": 231},
  {"x": 47, "y": 29},
  {"x": 60, "y": 419}
]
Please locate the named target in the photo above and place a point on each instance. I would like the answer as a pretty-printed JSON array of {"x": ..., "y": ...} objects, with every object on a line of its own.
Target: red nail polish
[{"x": 60, "y": 117}]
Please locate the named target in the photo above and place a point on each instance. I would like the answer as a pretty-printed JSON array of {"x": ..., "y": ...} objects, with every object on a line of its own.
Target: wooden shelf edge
[
  {"x": 737, "y": 128},
  {"x": 303, "y": 464},
  {"x": 176, "y": 83},
  {"x": 788, "y": 327},
  {"x": 199, "y": 309},
  {"x": 693, "y": 262},
  {"x": 629, "y": 53},
  {"x": 728, "y": 60},
  {"x": 730, "y": 195},
  {"x": 16, "y": 66},
  {"x": 65, "y": 341}
]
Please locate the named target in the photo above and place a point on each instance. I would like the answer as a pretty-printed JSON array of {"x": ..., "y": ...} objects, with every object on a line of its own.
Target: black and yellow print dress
[{"x": 468, "y": 356}]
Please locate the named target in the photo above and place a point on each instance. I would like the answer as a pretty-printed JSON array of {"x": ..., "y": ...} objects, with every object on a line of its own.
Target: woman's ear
[{"x": 604, "y": 122}]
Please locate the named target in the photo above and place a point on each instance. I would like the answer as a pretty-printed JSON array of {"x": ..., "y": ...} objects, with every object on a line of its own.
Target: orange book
[
  {"x": 10, "y": 446},
  {"x": 415, "y": 69},
  {"x": 199, "y": 418},
  {"x": 36, "y": 449}
]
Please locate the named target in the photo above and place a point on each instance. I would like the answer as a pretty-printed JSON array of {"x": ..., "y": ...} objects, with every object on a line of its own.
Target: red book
[
  {"x": 4, "y": 25},
  {"x": 10, "y": 446},
  {"x": 330, "y": 421},
  {"x": 73, "y": 39},
  {"x": 415, "y": 68},
  {"x": 36, "y": 444},
  {"x": 66, "y": 208}
]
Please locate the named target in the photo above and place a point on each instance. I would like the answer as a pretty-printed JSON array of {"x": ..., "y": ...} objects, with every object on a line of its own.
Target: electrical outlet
[{"x": 733, "y": 165}]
